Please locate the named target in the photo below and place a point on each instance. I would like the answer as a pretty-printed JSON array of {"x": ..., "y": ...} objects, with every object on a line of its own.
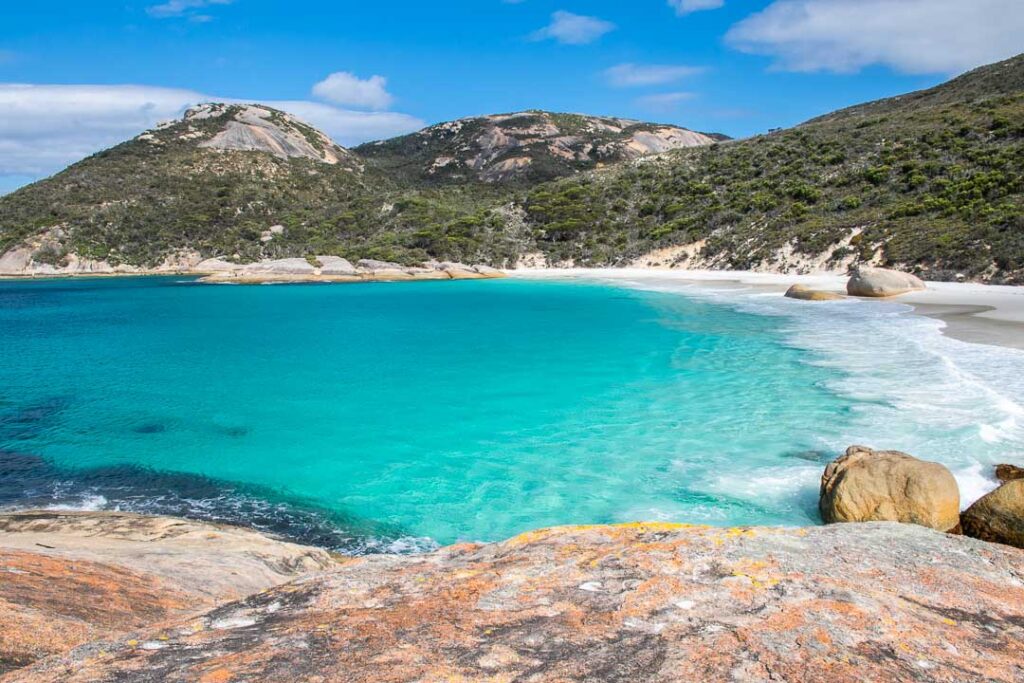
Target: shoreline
[
  {"x": 992, "y": 315},
  {"x": 971, "y": 312}
]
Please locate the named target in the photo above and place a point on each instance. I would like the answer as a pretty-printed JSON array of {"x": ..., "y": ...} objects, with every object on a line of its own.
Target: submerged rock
[
  {"x": 998, "y": 516},
  {"x": 67, "y": 578},
  {"x": 638, "y": 602},
  {"x": 865, "y": 485},
  {"x": 881, "y": 282},
  {"x": 807, "y": 294}
]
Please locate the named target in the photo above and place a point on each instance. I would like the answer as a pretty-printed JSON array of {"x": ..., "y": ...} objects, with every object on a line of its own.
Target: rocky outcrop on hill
[
  {"x": 881, "y": 282},
  {"x": 525, "y": 145},
  {"x": 251, "y": 128},
  {"x": 638, "y": 602},
  {"x": 67, "y": 578},
  {"x": 865, "y": 485}
]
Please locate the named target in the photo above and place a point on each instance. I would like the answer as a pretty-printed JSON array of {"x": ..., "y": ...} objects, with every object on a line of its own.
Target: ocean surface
[{"x": 395, "y": 417}]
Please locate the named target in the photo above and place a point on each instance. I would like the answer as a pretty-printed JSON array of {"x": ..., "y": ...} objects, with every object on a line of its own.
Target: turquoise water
[{"x": 400, "y": 416}]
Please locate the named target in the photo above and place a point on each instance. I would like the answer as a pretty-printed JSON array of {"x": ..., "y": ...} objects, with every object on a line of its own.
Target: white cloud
[
  {"x": 346, "y": 127},
  {"x": 573, "y": 29},
  {"x": 664, "y": 102},
  {"x": 687, "y": 6},
  {"x": 631, "y": 75},
  {"x": 911, "y": 36},
  {"x": 181, "y": 8},
  {"x": 46, "y": 127},
  {"x": 343, "y": 87}
]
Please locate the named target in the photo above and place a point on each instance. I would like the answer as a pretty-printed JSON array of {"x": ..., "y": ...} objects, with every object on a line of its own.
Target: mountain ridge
[
  {"x": 931, "y": 181},
  {"x": 531, "y": 145}
]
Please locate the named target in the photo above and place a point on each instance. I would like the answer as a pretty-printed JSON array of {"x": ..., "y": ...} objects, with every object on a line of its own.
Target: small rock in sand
[{"x": 807, "y": 294}]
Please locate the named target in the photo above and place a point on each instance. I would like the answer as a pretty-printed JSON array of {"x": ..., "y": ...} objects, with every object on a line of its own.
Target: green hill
[{"x": 932, "y": 181}]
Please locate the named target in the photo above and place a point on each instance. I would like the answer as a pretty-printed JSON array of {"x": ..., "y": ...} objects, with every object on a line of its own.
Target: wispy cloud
[
  {"x": 632, "y": 75},
  {"x": 688, "y": 6},
  {"x": 184, "y": 8},
  {"x": 344, "y": 87},
  {"x": 46, "y": 127},
  {"x": 664, "y": 102},
  {"x": 573, "y": 29},
  {"x": 911, "y": 36}
]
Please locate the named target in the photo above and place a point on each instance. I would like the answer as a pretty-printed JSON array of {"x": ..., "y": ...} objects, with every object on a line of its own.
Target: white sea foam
[
  {"x": 89, "y": 503},
  {"x": 913, "y": 388}
]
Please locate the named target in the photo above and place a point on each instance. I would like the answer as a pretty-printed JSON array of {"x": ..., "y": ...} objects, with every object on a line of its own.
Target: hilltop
[
  {"x": 931, "y": 181},
  {"x": 529, "y": 147},
  {"x": 249, "y": 182}
]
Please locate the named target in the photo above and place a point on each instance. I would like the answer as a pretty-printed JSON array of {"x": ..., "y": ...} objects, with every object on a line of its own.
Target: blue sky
[{"x": 732, "y": 66}]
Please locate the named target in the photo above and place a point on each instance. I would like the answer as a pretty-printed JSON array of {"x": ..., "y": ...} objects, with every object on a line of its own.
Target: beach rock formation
[
  {"x": 373, "y": 264},
  {"x": 881, "y": 282},
  {"x": 805, "y": 293},
  {"x": 864, "y": 485},
  {"x": 286, "y": 266},
  {"x": 1005, "y": 473},
  {"x": 67, "y": 578},
  {"x": 998, "y": 516},
  {"x": 337, "y": 269},
  {"x": 335, "y": 265},
  {"x": 637, "y": 602}
]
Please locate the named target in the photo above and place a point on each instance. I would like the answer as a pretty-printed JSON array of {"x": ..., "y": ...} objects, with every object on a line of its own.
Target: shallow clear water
[{"x": 395, "y": 417}]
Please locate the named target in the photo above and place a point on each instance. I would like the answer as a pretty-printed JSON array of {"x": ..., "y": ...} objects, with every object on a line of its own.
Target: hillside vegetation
[{"x": 931, "y": 181}]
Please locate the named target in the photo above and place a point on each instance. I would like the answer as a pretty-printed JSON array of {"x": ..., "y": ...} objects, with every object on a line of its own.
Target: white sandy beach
[{"x": 982, "y": 314}]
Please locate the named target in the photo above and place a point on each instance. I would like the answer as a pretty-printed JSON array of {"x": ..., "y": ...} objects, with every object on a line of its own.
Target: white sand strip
[{"x": 983, "y": 314}]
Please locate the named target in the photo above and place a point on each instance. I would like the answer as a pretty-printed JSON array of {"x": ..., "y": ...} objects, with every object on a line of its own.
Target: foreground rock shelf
[
  {"x": 67, "y": 578},
  {"x": 638, "y": 602}
]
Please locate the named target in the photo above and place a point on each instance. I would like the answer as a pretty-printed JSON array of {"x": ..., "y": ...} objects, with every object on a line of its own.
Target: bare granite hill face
[
  {"x": 250, "y": 128},
  {"x": 629, "y": 603},
  {"x": 529, "y": 145}
]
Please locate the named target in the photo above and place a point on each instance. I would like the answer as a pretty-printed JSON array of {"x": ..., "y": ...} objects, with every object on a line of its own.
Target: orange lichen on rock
[{"x": 644, "y": 602}]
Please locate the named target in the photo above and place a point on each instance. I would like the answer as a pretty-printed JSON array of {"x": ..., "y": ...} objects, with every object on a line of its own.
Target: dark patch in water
[
  {"x": 151, "y": 428},
  {"x": 28, "y": 481},
  {"x": 24, "y": 422},
  {"x": 810, "y": 455},
  {"x": 236, "y": 432},
  {"x": 12, "y": 463}
]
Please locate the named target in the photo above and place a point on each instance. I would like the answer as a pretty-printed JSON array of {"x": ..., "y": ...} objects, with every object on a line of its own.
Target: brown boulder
[
  {"x": 807, "y": 294},
  {"x": 1005, "y": 473},
  {"x": 865, "y": 485},
  {"x": 999, "y": 516},
  {"x": 880, "y": 282}
]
